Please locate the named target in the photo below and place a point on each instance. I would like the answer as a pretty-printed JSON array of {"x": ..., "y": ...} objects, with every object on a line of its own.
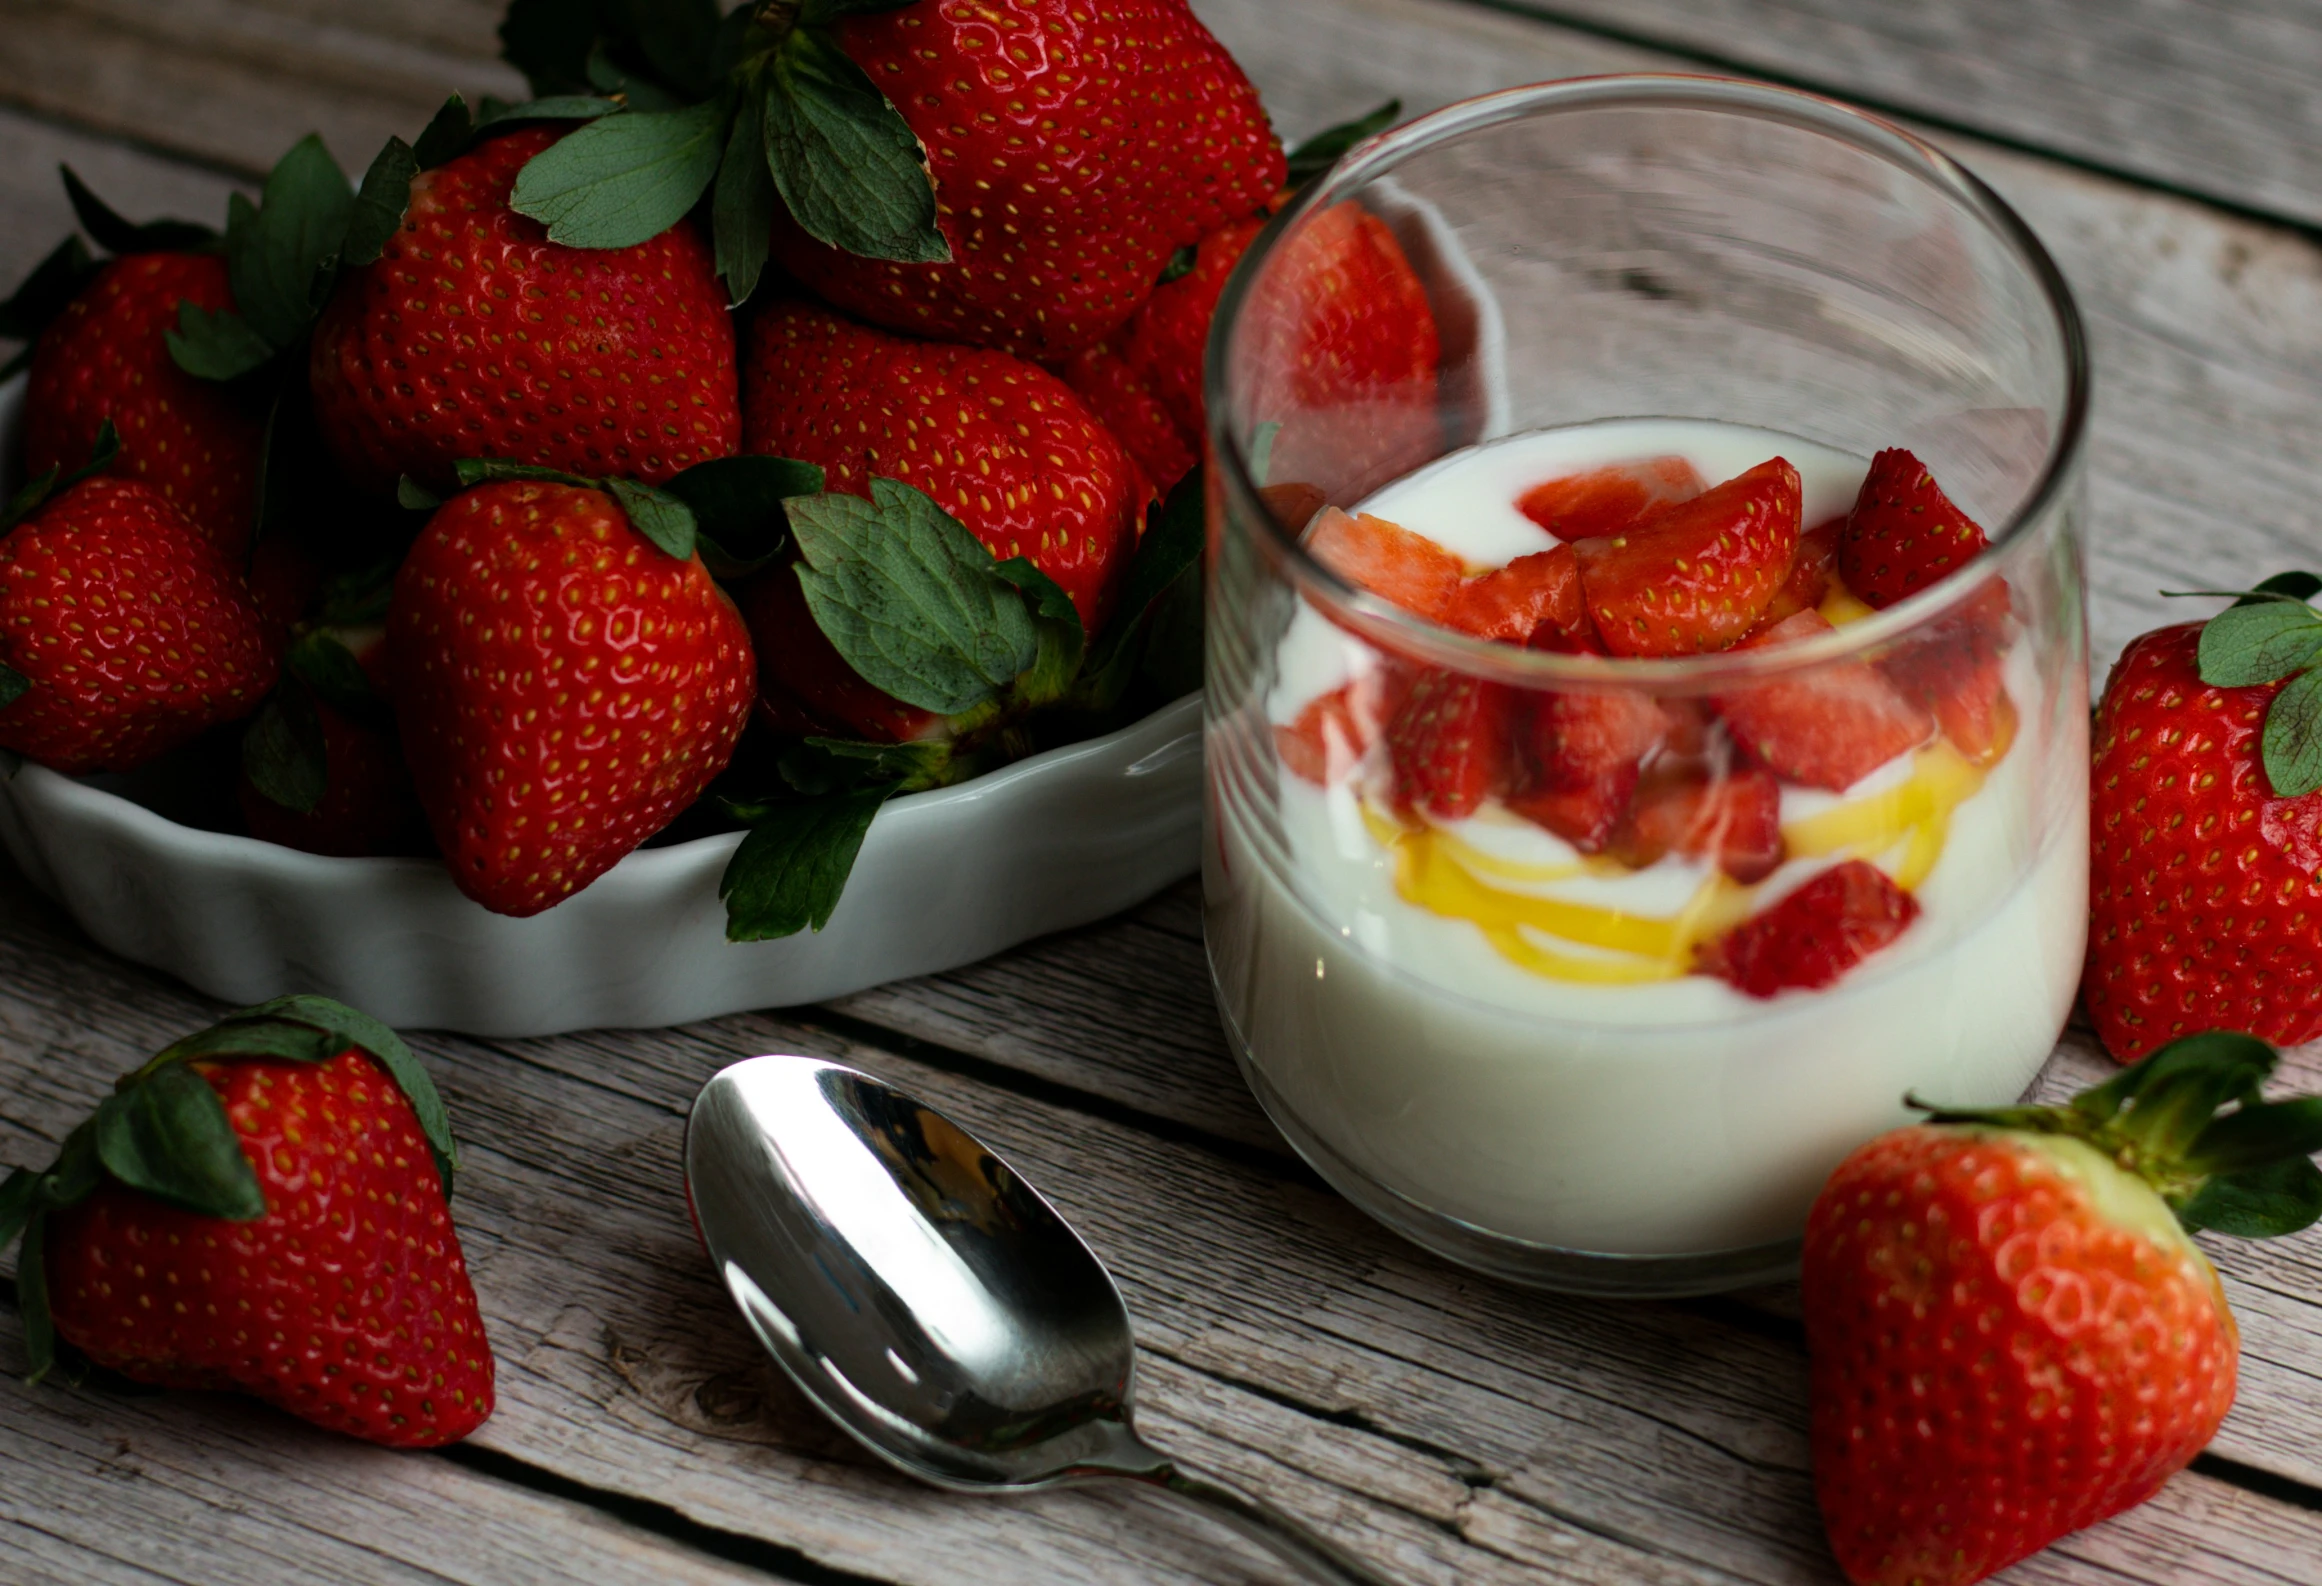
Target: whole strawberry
[
  {"x": 107, "y": 357},
  {"x": 262, "y": 1208},
  {"x": 473, "y": 335},
  {"x": 565, "y": 686},
  {"x": 124, "y": 631},
  {"x": 2012, "y": 1336},
  {"x": 1073, "y": 149},
  {"x": 2204, "y": 857}
]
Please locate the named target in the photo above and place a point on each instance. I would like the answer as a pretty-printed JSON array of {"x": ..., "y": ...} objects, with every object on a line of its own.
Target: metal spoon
[{"x": 928, "y": 1299}]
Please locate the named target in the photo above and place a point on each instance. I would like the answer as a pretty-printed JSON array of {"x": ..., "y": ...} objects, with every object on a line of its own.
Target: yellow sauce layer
[{"x": 1451, "y": 877}]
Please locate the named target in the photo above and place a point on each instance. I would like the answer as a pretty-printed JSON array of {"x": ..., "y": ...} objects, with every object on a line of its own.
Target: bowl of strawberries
[{"x": 715, "y": 535}]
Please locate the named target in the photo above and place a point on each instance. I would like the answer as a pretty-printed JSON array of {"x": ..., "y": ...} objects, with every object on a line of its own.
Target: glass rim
[{"x": 1389, "y": 626}]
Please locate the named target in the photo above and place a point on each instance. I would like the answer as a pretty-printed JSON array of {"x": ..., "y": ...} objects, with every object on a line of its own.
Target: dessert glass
[{"x": 1494, "y": 1046}]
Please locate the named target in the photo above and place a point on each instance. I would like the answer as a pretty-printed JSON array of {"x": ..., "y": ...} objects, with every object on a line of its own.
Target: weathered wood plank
[
  {"x": 1455, "y": 1428},
  {"x": 2217, "y": 98}
]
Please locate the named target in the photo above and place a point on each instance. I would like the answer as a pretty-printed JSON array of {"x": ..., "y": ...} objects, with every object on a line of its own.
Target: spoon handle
[{"x": 1292, "y": 1540}]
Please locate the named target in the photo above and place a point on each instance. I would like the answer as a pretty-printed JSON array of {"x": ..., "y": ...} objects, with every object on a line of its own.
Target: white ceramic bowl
[{"x": 944, "y": 878}]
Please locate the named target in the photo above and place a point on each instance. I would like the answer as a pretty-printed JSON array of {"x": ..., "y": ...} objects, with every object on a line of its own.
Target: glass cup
[{"x": 1517, "y": 940}]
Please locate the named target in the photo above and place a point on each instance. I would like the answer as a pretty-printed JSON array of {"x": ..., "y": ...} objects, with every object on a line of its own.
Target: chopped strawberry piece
[
  {"x": 1813, "y": 936},
  {"x": 1735, "y": 819},
  {"x": 1694, "y": 576},
  {"x": 1293, "y": 505},
  {"x": 1956, "y": 670},
  {"x": 1586, "y": 751},
  {"x": 1388, "y": 560},
  {"x": 1829, "y": 726},
  {"x": 1608, "y": 500},
  {"x": 1449, "y": 743},
  {"x": 1334, "y": 733},
  {"x": 1812, "y": 567},
  {"x": 1904, "y": 533},
  {"x": 1513, "y": 602}
]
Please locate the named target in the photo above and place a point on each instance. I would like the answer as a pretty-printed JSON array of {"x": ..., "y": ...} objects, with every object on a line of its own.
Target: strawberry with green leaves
[
  {"x": 2205, "y": 843},
  {"x": 2012, "y": 1336},
  {"x": 263, "y": 1208}
]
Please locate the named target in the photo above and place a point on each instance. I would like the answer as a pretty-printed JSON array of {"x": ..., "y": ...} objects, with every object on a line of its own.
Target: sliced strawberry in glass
[
  {"x": 1448, "y": 741},
  {"x": 1584, "y": 754},
  {"x": 1735, "y": 819},
  {"x": 1813, "y": 936},
  {"x": 1388, "y": 560},
  {"x": 1904, "y": 533},
  {"x": 1512, "y": 603},
  {"x": 1607, "y": 500},
  {"x": 1812, "y": 566},
  {"x": 1333, "y": 734},
  {"x": 1694, "y": 576},
  {"x": 1827, "y": 727},
  {"x": 1956, "y": 670}
]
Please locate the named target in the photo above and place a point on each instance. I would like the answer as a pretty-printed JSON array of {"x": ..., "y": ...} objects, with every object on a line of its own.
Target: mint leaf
[
  {"x": 116, "y": 235},
  {"x": 738, "y": 507},
  {"x": 2259, "y": 643},
  {"x": 14, "y": 685},
  {"x": 656, "y": 514},
  {"x": 624, "y": 179},
  {"x": 215, "y": 346},
  {"x": 446, "y": 135},
  {"x": 1063, "y": 641},
  {"x": 742, "y": 211},
  {"x": 53, "y": 283},
  {"x": 330, "y": 669},
  {"x": 168, "y": 1135},
  {"x": 283, "y": 754},
  {"x": 909, "y": 597},
  {"x": 280, "y": 256},
  {"x": 379, "y": 204},
  {"x": 1320, "y": 152},
  {"x": 2293, "y": 737},
  {"x": 472, "y": 471},
  {"x": 846, "y": 163},
  {"x": 790, "y": 870}
]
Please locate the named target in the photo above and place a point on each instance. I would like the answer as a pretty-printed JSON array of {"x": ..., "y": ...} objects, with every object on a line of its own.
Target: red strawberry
[
  {"x": 1001, "y": 445},
  {"x": 2203, "y": 885},
  {"x": 1073, "y": 150},
  {"x": 1585, "y": 754},
  {"x": 107, "y": 357},
  {"x": 1126, "y": 405},
  {"x": 130, "y": 628},
  {"x": 1167, "y": 340},
  {"x": 282, "y": 1231},
  {"x": 1387, "y": 559},
  {"x": 473, "y": 335},
  {"x": 564, "y": 686},
  {"x": 1904, "y": 533},
  {"x": 1511, "y": 603},
  {"x": 2011, "y": 1335},
  {"x": 1828, "y": 726},
  {"x": 1735, "y": 818},
  {"x": 1694, "y": 576},
  {"x": 1814, "y": 935},
  {"x": 1449, "y": 743},
  {"x": 1608, "y": 500},
  {"x": 1812, "y": 567}
]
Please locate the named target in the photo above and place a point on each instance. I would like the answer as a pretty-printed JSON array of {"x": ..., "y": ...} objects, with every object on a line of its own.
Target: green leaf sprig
[
  {"x": 165, "y": 1133},
  {"x": 2268, "y": 634}
]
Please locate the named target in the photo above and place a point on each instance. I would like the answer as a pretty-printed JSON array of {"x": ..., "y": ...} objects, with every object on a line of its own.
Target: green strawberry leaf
[
  {"x": 742, "y": 209},
  {"x": 216, "y": 345},
  {"x": 445, "y": 136},
  {"x": 412, "y": 496},
  {"x": 359, "y": 596},
  {"x": 1320, "y": 152},
  {"x": 2288, "y": 586},
  {"x": 2255, "y": 1135},
  {"x": 473, "y": 471},
  {"x": 815, "y": 766},
  {"x": 13, "y": 687},
  {"x": 1170, "y": 545},
  {"x": 909, "y": 598},
  {"x": 2260, "y": 643},
  {"x": 282, "y": 256},
  {"x": 848, "y": 166},
  {"x": 738, "y": 507},
  {"x": 2264, "y": 1203},
  {"x": 324, "y": 664},
  {"x": 168, "y": 1135},
  {"x": 54, "y": 282},
  {"x": 661, "y": 517},
  {"x": 677, "y": 38},
  {"x": 563, "y": 107},
  {"x": 625, "y": 178},
  {"x": 54, "y": 482},
  {"x": 283, "y": 754},
  {"x": 549, "y": 42},
  {"x": 17, "y": 1193},
  {"x": 32, "y": 1303},
  {"x": 379, "y": 204},
  {"x": 2293, "y": 737},
  {"x": 635, "y": 90},
  {"x": 790, "y": 870},
  {"x": 109, "y": 231},
  {"x": 1180, "y": 264},
  {"x": 1063, "y": 641}
]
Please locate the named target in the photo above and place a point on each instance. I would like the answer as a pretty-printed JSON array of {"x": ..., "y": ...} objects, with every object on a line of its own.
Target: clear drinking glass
[{"x": 1489, "y": 1026}]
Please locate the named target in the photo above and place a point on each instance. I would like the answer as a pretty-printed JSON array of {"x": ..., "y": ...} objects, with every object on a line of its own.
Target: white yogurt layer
[{"x": 1677, "y": 1116}]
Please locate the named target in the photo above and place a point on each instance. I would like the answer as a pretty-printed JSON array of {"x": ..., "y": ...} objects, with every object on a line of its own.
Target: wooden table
[{"x": 2170, "y": 151}]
